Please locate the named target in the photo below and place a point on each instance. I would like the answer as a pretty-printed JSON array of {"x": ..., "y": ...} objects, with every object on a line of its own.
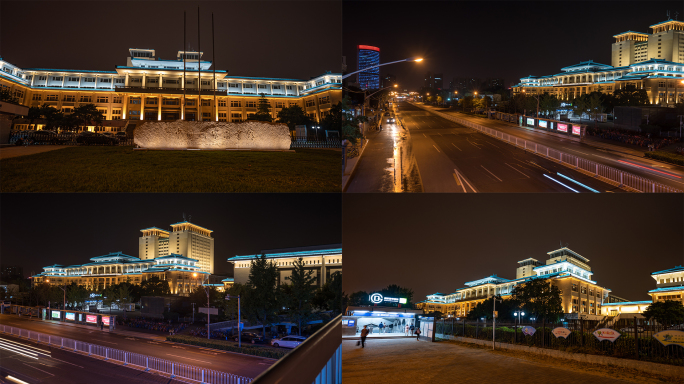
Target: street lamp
[
  {"x": 228, "y": 297},
  {"x": 518, "y": 316},
  {"x": 414, "y": 59},
  {"x": 206, "y": 290},
  {"x": 494, "y": 316}
]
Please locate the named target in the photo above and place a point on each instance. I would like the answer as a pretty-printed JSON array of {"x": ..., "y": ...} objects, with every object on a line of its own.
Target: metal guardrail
[
  {"x": 173, "y": 369},
  {"x": 600, "y": 171},
  {"x": 317, "y": 360}
]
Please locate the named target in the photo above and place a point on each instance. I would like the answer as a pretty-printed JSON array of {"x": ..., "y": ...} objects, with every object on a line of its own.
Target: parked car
[
  {"x": 288, "y": 341},
  {"x": 92, "y": 138},
  {"x": 251, "y": 337}
]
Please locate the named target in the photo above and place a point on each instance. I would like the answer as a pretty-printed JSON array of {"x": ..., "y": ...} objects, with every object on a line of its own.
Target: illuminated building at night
[
  {"x": 152, "y": 88},
  {"x": 652, "y": 62},
  {"x": 322, "y": 260},
  {"x": 182, "y": 273},
  {"x": 566, "y": 269},
  {"x": 369, "y": 56},
  {"x": 185, "y": 239}
]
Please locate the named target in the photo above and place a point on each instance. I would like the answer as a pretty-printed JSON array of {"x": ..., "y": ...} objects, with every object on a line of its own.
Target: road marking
[
  {"x": 45, "y": 352},
  {"x": 152, "y": 342},
  {"x": 577, "y": 182},
  {"x": 424, "y": 135},
  {"x": 538, "y": 166},
  {"x": 458, "y": 181},
  {"x": 175, "y": 346},
  {"x": 436, "y": 148},
  {"x": 65, "y": 361},
  {"x": 108, "y": 342},
  {"x": 183, "y": 357},
  {"x": 490, "y": 173},
  {"x": 456, "y": 147},
  {"x": 487, "y": 142},
  {"x": 561, "y": 183},
  {"x": 517, "y": 170},
  {"x": 14, "y": 379},
  {"x": 38, "y": 369},
  {"x": 473, "y": 144}
]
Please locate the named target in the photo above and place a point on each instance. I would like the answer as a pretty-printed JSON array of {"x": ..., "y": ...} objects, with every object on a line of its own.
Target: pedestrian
[
  {"x": 101, "y": 326},
  {"x": 412, "y": 328},
  {"x": 364, "y": 333},
  {"x": 406, "y": 330},
  {"x": 382, "y": 327},
  {"x": 391, "y": 326},
  {"x": 418, "y": 334}
]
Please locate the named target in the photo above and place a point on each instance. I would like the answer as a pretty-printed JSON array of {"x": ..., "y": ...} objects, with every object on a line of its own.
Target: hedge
[
  {"x": 250, "y": 349},
  {"x": 666, "y": 156}
]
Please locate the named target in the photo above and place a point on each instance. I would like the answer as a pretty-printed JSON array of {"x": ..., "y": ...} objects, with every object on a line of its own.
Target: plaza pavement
[{"x": 394, "y": 361}]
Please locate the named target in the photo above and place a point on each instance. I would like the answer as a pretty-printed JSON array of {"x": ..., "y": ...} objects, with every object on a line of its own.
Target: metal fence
[
  {"x": 64, "y": 138},
  {"x": 173, "y": 369},
  {"x": 636, "y": 339},
  {"x": 313, "y": 142},
  {"x": 603, "y": 172}
]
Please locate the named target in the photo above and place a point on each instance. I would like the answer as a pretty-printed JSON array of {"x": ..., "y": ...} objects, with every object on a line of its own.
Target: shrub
[
  {"x": 666, "y": 156},
  {"x": 224, "y": 345}
]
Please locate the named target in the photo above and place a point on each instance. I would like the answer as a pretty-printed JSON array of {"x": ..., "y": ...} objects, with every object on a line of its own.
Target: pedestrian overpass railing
[
  {"x": 148, "y": 363},
  {"x": 603, "y": 172}
]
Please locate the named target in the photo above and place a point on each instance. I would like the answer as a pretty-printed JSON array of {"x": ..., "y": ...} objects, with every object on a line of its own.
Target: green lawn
[{"x": 121, "y": 169}]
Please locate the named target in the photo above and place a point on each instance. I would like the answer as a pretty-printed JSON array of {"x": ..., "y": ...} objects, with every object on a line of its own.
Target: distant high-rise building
[
  {"x": 493, "y": 83},
  {"x": 369, "y": 56},
  {"x": 434, "y": 81},
  {"x": 11, "y": 272},
  {"x": 665, "y": 43},
  {"x": 465, "y": 84},
  {"x": 388, "y": 80},
  {"x": 185, "y": 239}
]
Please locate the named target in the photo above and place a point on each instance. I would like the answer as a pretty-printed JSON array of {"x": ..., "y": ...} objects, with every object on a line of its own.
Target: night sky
[
  {"x": 437, "y": 244},
  {"x": 44, "y": 229},
  {"x": 504, "y": 39},
  {"x": 288, "y": 39}
]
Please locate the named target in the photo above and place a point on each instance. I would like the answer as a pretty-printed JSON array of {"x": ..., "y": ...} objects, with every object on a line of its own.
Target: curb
[{"x": 346, "y": 182}]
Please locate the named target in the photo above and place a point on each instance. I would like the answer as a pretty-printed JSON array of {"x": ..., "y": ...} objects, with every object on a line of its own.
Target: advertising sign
[
  {"x": 670, "y": 337},
  {"x": 71, "y": 316},
  {"x": 530, "y": 122},
  {"x": 606, "y": 334},
  {"x": 349, "y": 323},
  {"x": 561, "y": 332},
  {"x": 105, "y": 320},
  {"x": 55, "y": 315},
  {"x": 529, "y": 331},
  {"x": 576, "y": 130},
  {"x": 377, "y": 298},
  {"x": 562, "y": 127},
  {"x": 91, "y": 319},
  {"x": 542, "y": 123}
]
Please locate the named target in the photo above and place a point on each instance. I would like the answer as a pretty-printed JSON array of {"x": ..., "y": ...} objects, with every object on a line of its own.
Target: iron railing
[
  {"x": 149, "y": 363},
  {"x": 602, "y": 172}
]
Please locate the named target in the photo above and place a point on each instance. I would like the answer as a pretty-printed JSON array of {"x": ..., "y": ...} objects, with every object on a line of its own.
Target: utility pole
[
  {"x": 228, "y": 297},
  {"x": 494, "y": 315}
]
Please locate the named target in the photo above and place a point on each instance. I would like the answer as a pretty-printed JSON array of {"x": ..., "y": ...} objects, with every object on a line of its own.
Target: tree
[
  {"x": 293, "y": 116},
  {"x": 394, "y": 290},
  {"x": 667, "y": 313},
  {"x": 154, "y": 286},
  {"x": 87, "y": 114},
  {"x": 51, "y": 115},
  {"x": 262, "y": 304},
  {"x": 230, "y": 306},
  {"x": 549, "y": 104},
  {"x": 580, "y": 106},
  {"x": 332, "y": 293},
  {"x": 263, "y": 110},
  {"x": 540, "y": 298},
  {"x": 350, "y": 124},
  {"x": 359, "y": 298},
  {"x": 595, "y": 105},
  {"x": 630, "y": 96},
  {"x": 33, "y": 114},
  {"x": 76, "y": 295},
  {"x": 505, "y": 309},
  {"x": 302, "y": 292},
  {"x": 7, "y": 96}
]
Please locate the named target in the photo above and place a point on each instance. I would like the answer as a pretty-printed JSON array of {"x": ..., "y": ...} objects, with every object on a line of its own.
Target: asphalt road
[
  {"x": 667, "y": 174},
  {"x": 37, "y": 363},
  {"x": 454, "y": 158},
  {"x": 235, "y": 363}
]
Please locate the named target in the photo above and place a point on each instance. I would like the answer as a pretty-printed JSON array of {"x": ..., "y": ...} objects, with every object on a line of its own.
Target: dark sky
[
  {"x": 43, "y": 229},
  {"x": 505, "y": 39},
  {"x": 437, "y": 244},
  {"x": 289, "y": 39}
]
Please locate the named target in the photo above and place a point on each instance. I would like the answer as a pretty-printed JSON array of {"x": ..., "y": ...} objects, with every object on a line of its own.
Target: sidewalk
[
  {"x": 9, "y": 152},
  {"x": 370, "y": 170},
  {"x": 141, "y": 335}
]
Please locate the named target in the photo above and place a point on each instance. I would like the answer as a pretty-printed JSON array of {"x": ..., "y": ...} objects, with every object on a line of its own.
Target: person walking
[
  {"x": 412, "y": 328},
  {"x": 364, "y": 334},
  {"x": 418, "y": 334},
  {"x": 406, "y": 330},
  {"x": 382, "y": 327},
  {"x": 101, "y": 326}
]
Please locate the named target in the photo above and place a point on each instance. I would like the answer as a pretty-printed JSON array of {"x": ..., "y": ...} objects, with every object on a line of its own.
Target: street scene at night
[
  {"x": 490, "y": 287},
  {"x": 73, "y": 310},
  {"x": 438, "y": 110}
]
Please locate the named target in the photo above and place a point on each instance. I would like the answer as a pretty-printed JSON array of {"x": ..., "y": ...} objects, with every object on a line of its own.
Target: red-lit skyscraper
[{"x": 369, "y": 56}]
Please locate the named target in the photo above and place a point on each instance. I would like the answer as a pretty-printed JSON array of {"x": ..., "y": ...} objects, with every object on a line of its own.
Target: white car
[{"x": 288, "y": 341}]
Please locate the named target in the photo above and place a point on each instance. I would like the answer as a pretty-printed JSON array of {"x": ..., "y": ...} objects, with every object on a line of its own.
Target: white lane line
[
  {"x": 456, "y": 147},
  {"x": 424, "y": 135},
  {"x": 19, "y": 351},
  {"x": 38, "y": 369},
  {"x": 46, "y": 352},
  {"x": 459, "y": 181},
  {"x": 436, "y": 148},
  {"x": 517, "y": 170},
  {"x": 66, "y": 362},
  {"x": 490, "y": 173},
  {"x": 109, "y": 342},
  {"x": 15, "y": 380},
  {"x": 471, "y": 143},
  {"x": 183, "y": 357},
  {"x": 466, "y": 181}
]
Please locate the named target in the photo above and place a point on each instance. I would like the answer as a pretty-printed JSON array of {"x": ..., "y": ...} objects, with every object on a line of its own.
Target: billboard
[
  {"x": 71, "y": 316},
  {"x": 576, "y": 130},
  {"x": 530, "y": 121},
  {"x": 55, "y": 315},
  {"x": 542, "y": 123},
  {"x": 562, "y": 127},
  {"x": 91, "y": 319},
  {"x": 105, "y": 320},
  {"x": 349, "y": 323}
]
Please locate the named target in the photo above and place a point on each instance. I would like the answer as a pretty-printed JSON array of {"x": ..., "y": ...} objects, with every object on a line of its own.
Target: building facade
[
  {"x": 185, "y": 238},
  {"x": 368, "y": 56},
  {"x": 322, "y": 260},
  {"x": 652, "y": 62},
  {"x": 151, "y": 88},
  {"x": 182, "y": 273},
  {"x": 434, "y": 81},
  {"x": 564, "y": 268}
]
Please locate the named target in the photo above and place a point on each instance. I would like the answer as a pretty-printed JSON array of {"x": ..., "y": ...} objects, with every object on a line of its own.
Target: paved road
[
  {"x": 411, "y": 361},
  {"x": 624, "y": 159},
  {"x": 454, "y": 158},
  {"x": 38, "y": 363},
  {"x": 238, "y": 364}
]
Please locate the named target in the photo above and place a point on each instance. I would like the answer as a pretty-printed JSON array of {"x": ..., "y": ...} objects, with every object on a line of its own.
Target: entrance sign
[
  {"x": 606, "y": 334},
  {"x": 529, "y": 331},
  {"x": 561, "y": 332},
  {"x": 91, "y": 319},
  {"x": 377, "y": 298},
  {"x": 670, "y": 337}
]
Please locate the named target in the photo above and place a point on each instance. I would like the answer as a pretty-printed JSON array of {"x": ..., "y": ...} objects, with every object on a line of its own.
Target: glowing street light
[{"x": 414, "y": 59}]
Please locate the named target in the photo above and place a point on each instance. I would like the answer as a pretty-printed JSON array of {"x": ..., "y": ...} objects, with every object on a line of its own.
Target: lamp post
[
  {"x": 414, "y": 59},
  {"x": 228, "y": 297},
  {"x": 517, "y": 315},
  {"x": 206, "y": 290},
  {"x": 494, "y": 316}
]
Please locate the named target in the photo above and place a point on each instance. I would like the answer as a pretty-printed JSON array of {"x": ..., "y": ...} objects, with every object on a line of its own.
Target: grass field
[{"x": 121, "y": 169}]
